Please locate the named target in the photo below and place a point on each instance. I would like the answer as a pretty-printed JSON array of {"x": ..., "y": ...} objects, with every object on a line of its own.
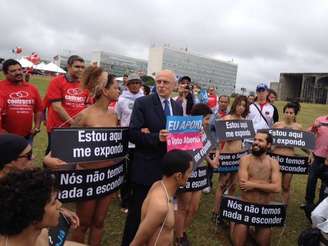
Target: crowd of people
[{"x": 159, "y": 210}]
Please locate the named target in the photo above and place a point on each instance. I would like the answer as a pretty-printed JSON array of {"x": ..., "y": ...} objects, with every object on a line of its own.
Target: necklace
[{"x": 166, "y": 193}]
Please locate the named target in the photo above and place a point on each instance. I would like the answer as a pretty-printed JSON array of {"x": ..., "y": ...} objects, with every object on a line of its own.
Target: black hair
[
  {"x": 271, "y": 91},
  {"x": 7, "y": 63},
  {"x": 73, "y": 59},
  {"x": 185, "y": 78},
  {"x": 294, "y": 105},
  {"x": 176, "y": 161},
  {"x": 23, "y": 197},
  {"x": 224, "y": 96},
  {"x": 269, "y": 138},
  {"x": 201, "y": 109},
  {"x": 146, "y": 89},
  {"x": 238, "y": 101},
  {"x": 125, "y": 75}
]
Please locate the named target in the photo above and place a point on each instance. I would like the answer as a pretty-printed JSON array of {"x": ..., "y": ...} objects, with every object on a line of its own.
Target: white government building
[{"x": 202, "y": 70}]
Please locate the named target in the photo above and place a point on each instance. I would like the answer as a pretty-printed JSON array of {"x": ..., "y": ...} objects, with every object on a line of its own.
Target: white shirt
[
  {"x": 162, "y": 99},
  {"x": 125, "y": 105},
  {"x": 257, "y": 119}
]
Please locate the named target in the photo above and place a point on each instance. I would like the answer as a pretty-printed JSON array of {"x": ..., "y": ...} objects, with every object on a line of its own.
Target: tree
[{"x": 148, "y": 80}]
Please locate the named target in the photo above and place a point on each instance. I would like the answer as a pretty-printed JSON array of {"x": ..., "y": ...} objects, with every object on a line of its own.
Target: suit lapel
[
  {"x": 174, "y": 107},
  {"x": 159, "y": 109}
]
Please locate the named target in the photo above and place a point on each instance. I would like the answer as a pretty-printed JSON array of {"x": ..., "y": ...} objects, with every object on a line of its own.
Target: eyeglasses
[
  {"x": 82, "y": 67},
  {"x": 28, "y": 156},
  {"x": 165, "y": 82}
]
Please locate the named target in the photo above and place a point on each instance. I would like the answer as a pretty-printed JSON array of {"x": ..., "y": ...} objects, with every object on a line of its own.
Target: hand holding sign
[
  {"x": 292, "y": 138},
  {"x": 163, "y": 135},
  {"x": 227, "y": 130},
  {"x": 89, "y": 144},
  {"x": 184, "y": 132}
]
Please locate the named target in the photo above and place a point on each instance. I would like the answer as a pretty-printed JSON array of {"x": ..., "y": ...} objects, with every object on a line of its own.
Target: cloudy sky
[{"x": 263, "y": 37}]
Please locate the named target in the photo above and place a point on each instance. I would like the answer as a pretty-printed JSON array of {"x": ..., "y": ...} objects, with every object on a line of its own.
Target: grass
[{"x": 202, "y": 232}]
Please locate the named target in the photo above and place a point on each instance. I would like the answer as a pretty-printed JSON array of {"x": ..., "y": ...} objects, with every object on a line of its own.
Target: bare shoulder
[
  {"x": 227, "y": 117},
  {"x": 279, "y": 124},
  {"x": 245, "y": 160},
  {"x": 80, "y": 118},
  {"x": 157, "y": 199},
  {"x": 274, "y": 163},
  {"x": 298, "y": 126}
]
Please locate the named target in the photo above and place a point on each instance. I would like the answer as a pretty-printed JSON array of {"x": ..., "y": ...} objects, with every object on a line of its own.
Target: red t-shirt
[
  {"x": 20, "y": 102},
  {"x": 212, "y": 101},
  {"x": 2, "y": 110},
  {"x": 72, "y": 97}
]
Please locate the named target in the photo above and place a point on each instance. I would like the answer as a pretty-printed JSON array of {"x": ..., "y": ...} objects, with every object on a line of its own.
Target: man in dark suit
[{"x": 147, "y": 132}]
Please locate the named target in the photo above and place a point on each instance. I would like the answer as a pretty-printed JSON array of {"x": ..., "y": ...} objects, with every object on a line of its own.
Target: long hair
[{"x": 237, "y": 102}]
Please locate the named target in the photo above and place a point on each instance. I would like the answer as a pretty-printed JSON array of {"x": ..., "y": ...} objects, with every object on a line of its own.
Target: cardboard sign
[
  {"x": 292, "y": 138},
  {"x": 242, "y": 212},
  {"x": 87, "y": 184},
  {"x": 89, "y": 144},
  {"x": 197, "y": 181},
  {"x": 292, "y": 164},
  {"x": 200, "y": 154},
  {"x": 227, "y": 130},
  {"x": 179, "y": 124},
  {"x": 229, "y": 162},
  {"x": 57, "y": 235},
  {"x": 184, "y": 132}
]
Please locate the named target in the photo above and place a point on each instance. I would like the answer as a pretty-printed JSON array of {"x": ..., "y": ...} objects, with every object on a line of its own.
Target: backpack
[{"x": 311, "y": 236}]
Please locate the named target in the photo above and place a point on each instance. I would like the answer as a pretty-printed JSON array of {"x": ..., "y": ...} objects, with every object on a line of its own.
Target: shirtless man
[
  {"x": 228, "y": 181},
  {"x": 157, "y": 213},
  {"x": 259, "y": 177},
  {"x": 290, "y": 111}
]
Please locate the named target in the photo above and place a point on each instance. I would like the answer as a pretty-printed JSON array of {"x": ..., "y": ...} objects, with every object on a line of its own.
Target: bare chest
[
  {"x": 101, "y": 120},
  {"x": 260, "y": 170}
]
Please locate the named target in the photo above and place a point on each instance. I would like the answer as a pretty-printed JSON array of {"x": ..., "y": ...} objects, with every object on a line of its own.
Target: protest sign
[
  {"x": 241, "y": 212},
  {"x": 87, "y": 184},
  {"x": 200, "y": 154},
  {"x": 197, "y": 181},
  {"x": 227, "y": 130},
  {"x": 57, "y": 235},
  {"x": 292, "y": 164},
  {"x": 89, "y": 144},
  {"x": 229, "y": 162},
  {"x": 292, "y": 138},
  {"x": 184, "y": 132}
]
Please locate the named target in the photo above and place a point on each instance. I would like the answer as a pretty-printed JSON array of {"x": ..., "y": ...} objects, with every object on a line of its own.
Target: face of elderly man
[{"x": 165, "y": 83}]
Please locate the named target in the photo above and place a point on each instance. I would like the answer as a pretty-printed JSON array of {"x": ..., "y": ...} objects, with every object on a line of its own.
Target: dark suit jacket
[{"x": 148, "y": 113}]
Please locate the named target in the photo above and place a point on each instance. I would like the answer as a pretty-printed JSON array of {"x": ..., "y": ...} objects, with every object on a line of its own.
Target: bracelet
[{"x": 37, "y": 129}]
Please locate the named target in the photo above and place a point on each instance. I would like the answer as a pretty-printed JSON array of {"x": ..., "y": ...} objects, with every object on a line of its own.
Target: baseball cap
[
  {"x": 185, "y": 78},
  {"x": 11, "y": 146},
  {"x": 134, "y": 76},
  {"x": 261, "y": 87}
]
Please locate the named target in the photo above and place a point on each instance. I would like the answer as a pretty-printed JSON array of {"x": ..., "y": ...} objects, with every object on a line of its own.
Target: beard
[{"x": 258, "y": 151}]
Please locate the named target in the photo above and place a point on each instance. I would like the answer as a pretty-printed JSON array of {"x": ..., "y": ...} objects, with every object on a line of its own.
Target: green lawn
[{"x": 202, "y": 231}]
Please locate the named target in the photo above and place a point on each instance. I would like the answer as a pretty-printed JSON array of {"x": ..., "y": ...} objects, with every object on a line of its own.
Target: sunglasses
[
  {"x": 28, "y": 156},
  {"x": 134, "y": 83},
  {"x": 82, "y": 67}
]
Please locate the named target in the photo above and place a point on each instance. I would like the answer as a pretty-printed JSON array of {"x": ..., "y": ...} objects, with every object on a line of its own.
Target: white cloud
[{"x": 263, "y": 37}]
